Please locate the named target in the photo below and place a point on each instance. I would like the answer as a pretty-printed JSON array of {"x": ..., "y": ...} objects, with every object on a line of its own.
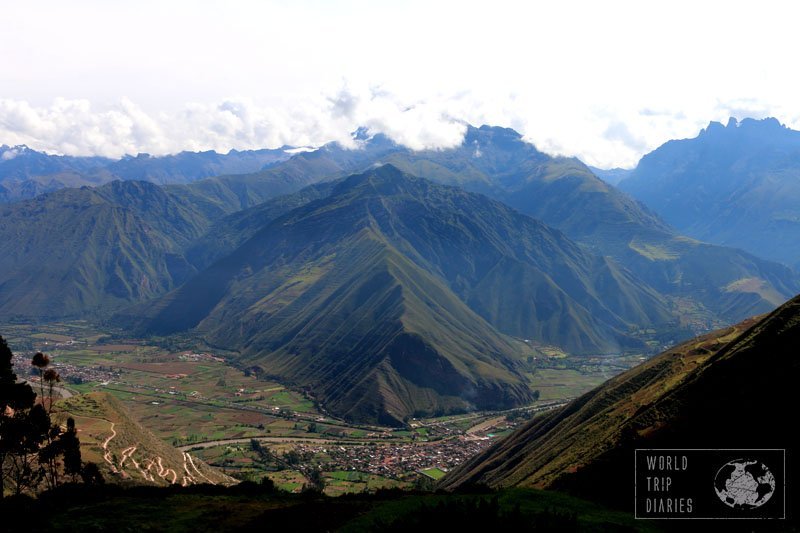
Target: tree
[
  {"x": 18, "y": 420},
  {"x": 316, "y": 479},
  {"x": 30, "y": 443},
  {"x": 71, "y": 449},
  {"x": 50, "y": 452},
  {"x": 91, "y": 475}
]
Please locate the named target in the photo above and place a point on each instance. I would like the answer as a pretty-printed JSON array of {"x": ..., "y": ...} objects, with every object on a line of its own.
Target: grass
[
  {"x": 590, "y": 517},
  {"x": 249, "y": 508},
  {"x": 434, "y": 473},
  {"x": 558, "y": 384}
]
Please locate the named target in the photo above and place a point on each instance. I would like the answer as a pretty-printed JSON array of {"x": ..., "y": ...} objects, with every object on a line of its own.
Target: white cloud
[
  {"x": 75, "y": 127},
  {"x": 122, "y": 77}
]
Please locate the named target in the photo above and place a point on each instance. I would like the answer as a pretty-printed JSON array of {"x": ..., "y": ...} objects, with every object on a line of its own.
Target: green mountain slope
[
  {"x": 231, "y": 231},
  {"x": 564, "y": 193},
  {"x": 722, "y": 284},
  {"x": 78, "y": 251},
  {"x": 357, "y": 293},
  {"x": 696, "y": 395}
]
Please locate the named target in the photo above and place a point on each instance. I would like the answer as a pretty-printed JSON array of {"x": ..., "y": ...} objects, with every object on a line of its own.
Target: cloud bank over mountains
[
  {"x": 76, "y": 127},
  {"x": 604, "y": 81},
  {"x": 600, "y": 137}
]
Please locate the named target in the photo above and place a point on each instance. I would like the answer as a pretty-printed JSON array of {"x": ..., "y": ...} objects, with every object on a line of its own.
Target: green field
[
  {"x": 434, "y": 473},
  {"x": 560, "y": 383}
]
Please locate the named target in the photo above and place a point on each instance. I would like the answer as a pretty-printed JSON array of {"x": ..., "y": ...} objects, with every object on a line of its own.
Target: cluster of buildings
[
  {"x": 198, "y": 357},
  {"x": 397, "y": 460}
]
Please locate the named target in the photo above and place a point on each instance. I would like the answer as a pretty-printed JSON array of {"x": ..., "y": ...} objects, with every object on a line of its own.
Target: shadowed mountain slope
[{"x": 696, "y": 395}]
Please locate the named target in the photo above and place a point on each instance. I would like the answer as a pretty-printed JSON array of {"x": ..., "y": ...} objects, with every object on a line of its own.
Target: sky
[{"x": 604, "y": 81}]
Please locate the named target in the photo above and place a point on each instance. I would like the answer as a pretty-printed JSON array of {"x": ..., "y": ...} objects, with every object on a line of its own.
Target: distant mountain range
[
  {"x": 716, "y": 284},
  {"x": 702, "y": 394},
  {"x": 736, "y": 185},
  {"x": 26, "y": 173}
]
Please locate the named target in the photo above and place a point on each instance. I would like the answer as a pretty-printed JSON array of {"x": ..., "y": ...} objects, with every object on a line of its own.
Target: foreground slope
[
  {"x": 737, "y": 185},
  {"x": 126, "y": 452},
  {"x": 729, "y": 389},
  {"x": 386, "y": 297}
]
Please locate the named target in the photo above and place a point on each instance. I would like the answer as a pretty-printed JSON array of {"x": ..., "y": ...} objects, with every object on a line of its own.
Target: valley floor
[{"x": 194, "y": 399}]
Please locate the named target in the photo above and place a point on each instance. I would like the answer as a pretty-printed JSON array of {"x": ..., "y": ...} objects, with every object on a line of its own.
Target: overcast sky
[{"x": 605, "y": 81}]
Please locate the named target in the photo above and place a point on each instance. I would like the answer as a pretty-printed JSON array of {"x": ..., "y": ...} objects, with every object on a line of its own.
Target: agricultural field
[{"x": 195, "y": 399}]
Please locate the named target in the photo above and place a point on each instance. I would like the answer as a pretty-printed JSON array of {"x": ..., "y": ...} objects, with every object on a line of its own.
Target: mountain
[
  {"x": 703, "y": 394},
  {"x": 231, "y": 231},
  {"x": 611, "y": 175},
  {"x": 385, "y": 298},
  {"x": 706, "y": 284},
  {"x": 26, "y": 173},
  {"x": 711, "y": 284},
  {"x": 20, "y": 162},
  {"x": 726, "y": 283},
  {"x": 81, "y": 251},
  {"x": 186, "y": 167},
  {"x": 736, "y": 185},
  {"x": 126, "y": 452}
]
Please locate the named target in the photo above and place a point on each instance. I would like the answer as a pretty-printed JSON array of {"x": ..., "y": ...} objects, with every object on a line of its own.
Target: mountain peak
[
  {"x": 384, "y": 179},
  {"x": 495, "y": 134},
  {"x": 747, "y": 126},
  {"x": 7, "y": 153}
]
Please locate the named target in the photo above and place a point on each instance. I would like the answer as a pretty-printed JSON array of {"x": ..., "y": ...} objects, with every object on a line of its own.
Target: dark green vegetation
[
  {"x": 733, "y": 389},
  {"x": 737, "y": 185},
  {"x": 369, "y": 297},
  {"x": 253, "y": 507}
]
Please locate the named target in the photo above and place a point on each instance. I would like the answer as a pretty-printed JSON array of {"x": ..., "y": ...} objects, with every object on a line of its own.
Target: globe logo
[{"x": 744, "y": 484}]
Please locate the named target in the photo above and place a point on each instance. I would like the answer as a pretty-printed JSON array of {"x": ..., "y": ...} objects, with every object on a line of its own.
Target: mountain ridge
[{"x": 733, "y": 184}]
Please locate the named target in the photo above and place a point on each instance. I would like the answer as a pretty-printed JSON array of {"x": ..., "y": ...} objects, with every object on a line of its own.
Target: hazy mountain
[
  {"x": 26, "y": 173},
  {"x": 611, "y": 175},
  {"x": 231, "y": 231},
  {"x": 79, "y": 251},
  {"x": 20, "y": 162},
  {"x": 697, "y": 395},
  {"x": 386, "y": 297},
  {"x": 737, "y": 185},
  {"x": 186, "y": 167}
]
